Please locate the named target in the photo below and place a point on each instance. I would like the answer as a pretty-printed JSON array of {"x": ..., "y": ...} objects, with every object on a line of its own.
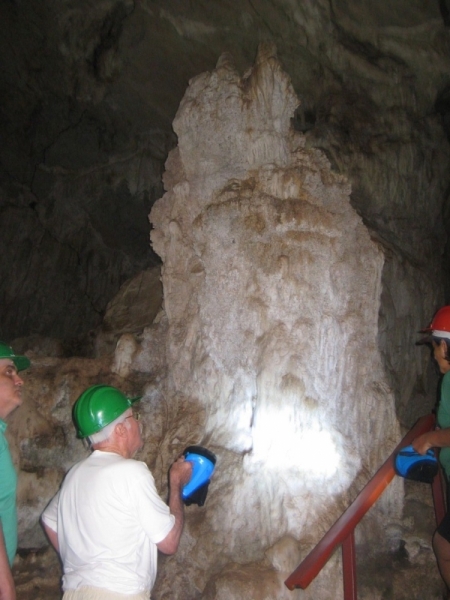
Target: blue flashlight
[
  {"x": 418, "y": 467},
  {"x": 203, "y": 465}
]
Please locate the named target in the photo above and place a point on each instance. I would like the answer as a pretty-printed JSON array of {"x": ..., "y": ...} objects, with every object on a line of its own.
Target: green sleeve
[{"x": 443, "y": 413}]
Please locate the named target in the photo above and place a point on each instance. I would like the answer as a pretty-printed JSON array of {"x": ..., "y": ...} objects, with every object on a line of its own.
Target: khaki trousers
[{"x": 94, "y": 593}]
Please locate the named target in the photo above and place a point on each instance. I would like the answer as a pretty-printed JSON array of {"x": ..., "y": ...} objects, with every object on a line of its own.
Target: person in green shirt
[
  {"x": 10, "y": 398},
  {"x": 438, "y": 337}
]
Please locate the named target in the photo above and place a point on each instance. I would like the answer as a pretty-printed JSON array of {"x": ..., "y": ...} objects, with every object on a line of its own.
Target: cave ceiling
[
  {"x": 89, "y": 91},
  {"x": 130, "y": 62}
]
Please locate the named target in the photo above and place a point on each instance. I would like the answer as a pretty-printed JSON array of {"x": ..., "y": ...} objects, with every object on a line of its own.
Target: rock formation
[
  {"x": 323, "y": 198},
  {"x": 272, "y": 288}
]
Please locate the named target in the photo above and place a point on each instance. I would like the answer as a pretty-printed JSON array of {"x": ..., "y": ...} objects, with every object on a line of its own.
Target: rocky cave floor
[{"x": 408, "y": 574}]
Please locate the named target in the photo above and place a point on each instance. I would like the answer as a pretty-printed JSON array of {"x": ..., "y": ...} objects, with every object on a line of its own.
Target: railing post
[{"x": 349, "y": 566}]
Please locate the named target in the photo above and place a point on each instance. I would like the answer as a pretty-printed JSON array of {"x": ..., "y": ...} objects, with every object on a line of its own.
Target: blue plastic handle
[
  {"x": 412, "y": 465},
  {"x": 202, "y": 469}
]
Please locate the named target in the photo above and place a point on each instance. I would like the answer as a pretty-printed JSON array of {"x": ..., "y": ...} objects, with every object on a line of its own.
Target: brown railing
[{"x": 342, "y": 532}]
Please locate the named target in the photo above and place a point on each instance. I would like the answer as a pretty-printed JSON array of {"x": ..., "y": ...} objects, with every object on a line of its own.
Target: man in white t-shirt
[{"x": 107, "y": 521}]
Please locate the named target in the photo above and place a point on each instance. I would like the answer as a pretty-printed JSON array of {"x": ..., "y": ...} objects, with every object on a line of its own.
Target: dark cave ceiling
[
  {"x": 125, "y": 65},
  {"x": 89, "y": 92}
]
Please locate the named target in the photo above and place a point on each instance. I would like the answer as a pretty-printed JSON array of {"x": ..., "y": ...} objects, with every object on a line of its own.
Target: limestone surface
[{"x": 272, "y": 289}]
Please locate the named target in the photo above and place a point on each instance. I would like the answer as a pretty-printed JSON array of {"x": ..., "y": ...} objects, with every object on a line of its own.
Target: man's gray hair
[{"x": 105, "y": 433}]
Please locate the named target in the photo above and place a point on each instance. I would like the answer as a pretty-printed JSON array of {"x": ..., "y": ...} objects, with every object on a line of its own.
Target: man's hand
[
  {"x": 180, "y": 473},
  {"x": 439, "y": 438},
  {"x": 423, "y": 443}
]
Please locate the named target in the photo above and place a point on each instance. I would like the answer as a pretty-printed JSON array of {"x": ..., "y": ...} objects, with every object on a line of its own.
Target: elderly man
[
  {"x": 108, "y": 521},
  {"x": 10, "y": 398}
]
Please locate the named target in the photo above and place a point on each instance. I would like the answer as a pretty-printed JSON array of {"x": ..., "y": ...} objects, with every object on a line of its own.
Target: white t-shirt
[{"x": 109, "y": 518}]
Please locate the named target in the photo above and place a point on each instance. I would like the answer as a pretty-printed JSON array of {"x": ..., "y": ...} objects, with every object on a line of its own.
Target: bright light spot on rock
[{"x": 279, "y": 442}]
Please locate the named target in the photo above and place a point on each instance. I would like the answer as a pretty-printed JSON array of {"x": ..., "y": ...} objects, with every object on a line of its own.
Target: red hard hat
[{"x": 440, "y": 323}]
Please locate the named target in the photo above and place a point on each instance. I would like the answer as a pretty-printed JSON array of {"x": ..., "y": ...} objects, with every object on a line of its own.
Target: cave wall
[
  {"x": 89, "y": 92},
  {"x": 78, "y": 234},
  {"x": 90, "y": 89}
]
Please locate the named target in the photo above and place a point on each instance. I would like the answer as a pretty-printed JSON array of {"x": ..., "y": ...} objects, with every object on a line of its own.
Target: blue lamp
[{"x": 203, "y": 465}]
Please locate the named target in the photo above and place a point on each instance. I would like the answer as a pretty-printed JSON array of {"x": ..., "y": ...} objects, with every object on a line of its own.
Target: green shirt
[
  {"x": 443, "y": 419},
  {"x": 8, "y": 488}
]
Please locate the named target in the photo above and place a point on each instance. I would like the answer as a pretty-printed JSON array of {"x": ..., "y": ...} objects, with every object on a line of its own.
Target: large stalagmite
[{"x": 272, "y": 292}]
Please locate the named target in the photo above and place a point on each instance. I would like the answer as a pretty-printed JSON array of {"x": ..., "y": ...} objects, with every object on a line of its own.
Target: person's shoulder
[
  {"x": 133, "y": 473},
  {"x": 137, "y": 465},
  {"x": 132, "y": 466}
]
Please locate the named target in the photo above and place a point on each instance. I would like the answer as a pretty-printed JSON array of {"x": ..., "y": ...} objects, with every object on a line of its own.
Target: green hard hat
[
  {"x": 21, "y": 362},
  {"x": 97, "y": 407}
]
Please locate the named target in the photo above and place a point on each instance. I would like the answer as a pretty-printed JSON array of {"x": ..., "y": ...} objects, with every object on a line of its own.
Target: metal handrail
[{"x": 342, "y": 532}]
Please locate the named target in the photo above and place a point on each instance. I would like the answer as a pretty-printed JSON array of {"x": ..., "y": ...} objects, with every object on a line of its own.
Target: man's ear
[{"x": 120, "y": 429}]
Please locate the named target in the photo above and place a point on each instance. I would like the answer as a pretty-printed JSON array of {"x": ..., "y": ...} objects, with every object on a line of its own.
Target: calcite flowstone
[
  {"x": 136, "y": 304},
  {"x": 272, "y": 292}
]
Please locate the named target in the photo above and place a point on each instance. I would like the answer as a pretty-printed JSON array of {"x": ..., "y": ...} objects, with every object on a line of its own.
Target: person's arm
[
  {"x": 439, "y": 438},
  {"x": 49, "y": 521},
  {"x": 52, "y": 536},
  {"x": 180, "y": 474},
  {"x": 7, "y": 588}
]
